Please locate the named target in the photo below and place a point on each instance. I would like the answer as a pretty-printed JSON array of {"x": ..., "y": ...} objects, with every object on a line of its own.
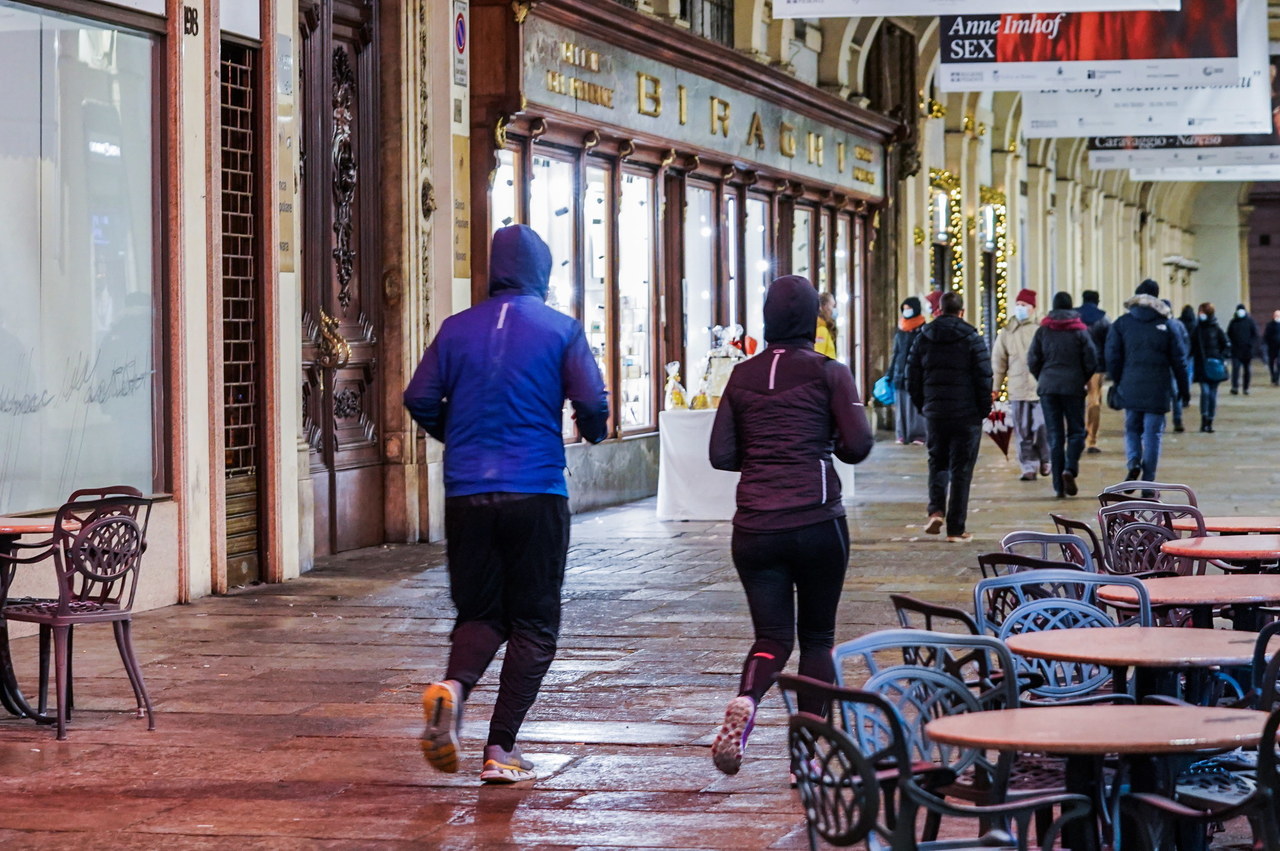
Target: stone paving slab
[{"x": 287, "y": 715}]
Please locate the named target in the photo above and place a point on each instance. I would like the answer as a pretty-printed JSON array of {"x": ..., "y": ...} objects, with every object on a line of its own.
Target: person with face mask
[
  {"x": 1271, "y": 342},
  {"x": 1208, "y": 343},
  {"x": 1243, "y": 334},
  {"x": 825, "y": 341},
  {"x": 908, "y": 423},
  {"x": 1009, "y": 363}
]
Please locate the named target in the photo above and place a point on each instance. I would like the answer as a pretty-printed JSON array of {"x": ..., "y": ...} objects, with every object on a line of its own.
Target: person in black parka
[
  {"x": 1062, "y": 359},
  {"x": 949, "y": 378},
  {"x": 1271, "y": 345},
  {"x": 1207, "y": 342},
  {"x": 908, "y": 424},
  {"x": 1242, "y": 331}
]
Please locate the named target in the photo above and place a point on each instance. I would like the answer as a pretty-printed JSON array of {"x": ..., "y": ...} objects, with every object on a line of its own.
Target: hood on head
[
  {"x": 1142, "y": 301},
  {"x": 913, "y": 303},
  {"x": 790, "y": 310},
  {"x": 519, "y": 262}
]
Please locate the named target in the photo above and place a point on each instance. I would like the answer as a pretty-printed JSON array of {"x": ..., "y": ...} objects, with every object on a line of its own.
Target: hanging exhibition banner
[
  {"x": 1175, "y": 150},
  {"x": 1194, "y": 46},
  {"x": 861, "y": 8},
  {"x": 1226, "y": 173},
  {"x": 1153, "y": 110}
]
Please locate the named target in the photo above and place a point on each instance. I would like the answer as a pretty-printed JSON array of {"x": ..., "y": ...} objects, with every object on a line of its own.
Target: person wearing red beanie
[{"x": 1009, "y": 367}]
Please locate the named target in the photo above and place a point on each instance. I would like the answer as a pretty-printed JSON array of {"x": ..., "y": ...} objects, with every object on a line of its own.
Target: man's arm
[
  {"x": 998, "y": 368},
  {"x": 915, "y": 373},
  {"x": 425, "y": 395},
  {"x": 1115, "y": 354},
  {"x": 1088, "y": 355},
  {"x": 584, "y": 388},
  {"x": 1178, "y": 365},
  {"x": 980, "y": 368}
]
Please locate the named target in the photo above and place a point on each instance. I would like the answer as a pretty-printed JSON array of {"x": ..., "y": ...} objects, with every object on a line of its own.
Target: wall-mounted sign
[
  {"x": 571, "y": 72},
  {"x": 460, "y": 42},
  {"x": 1019, "y": 52},
  {"x": 1152, "y": 110},
  {"x": 860, "y": 8}
]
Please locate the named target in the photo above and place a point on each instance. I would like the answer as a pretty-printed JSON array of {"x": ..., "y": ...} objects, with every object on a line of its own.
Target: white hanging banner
[
  {"x": 1226, "y": 173},
  {"x": 989, "y": 53},
  {"x": 861, "y": 8},
  {"x": 1153, "y": 110}
]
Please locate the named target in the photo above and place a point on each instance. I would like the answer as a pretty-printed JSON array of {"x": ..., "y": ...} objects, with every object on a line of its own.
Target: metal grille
[
  {"x": 240, "y": 247},
  {"x": 711, "y": 19}
]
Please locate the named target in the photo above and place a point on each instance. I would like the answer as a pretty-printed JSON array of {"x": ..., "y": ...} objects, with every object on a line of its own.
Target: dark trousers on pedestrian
[
  {"x": 1064, "y": 421},
  {"x": 506, "y": 568},
  {"x": 1273, "y": 365},
  {"x": 1208, "y": 401},
  {"x": 793, "y": 580},
  {"x": 953, "y": 450},
  {"x": 1238, "y": 366}
]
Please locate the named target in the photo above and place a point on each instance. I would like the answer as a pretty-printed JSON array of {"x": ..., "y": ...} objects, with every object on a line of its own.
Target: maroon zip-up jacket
[{"x": 783, "y": 414}]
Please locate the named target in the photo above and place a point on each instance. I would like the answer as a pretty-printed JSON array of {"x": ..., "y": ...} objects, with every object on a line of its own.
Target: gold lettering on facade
[
  {"x": 816, "y": 144},
  {"x": 592, "y": 93},
  {"x": 719, "y": 116},
  {"x": 863, "y": 154},
  {"x": 648, "y": 94},
  {"x": 557, "y": 83},
  {"x": 580, "y": 57},
  {"x": 684, "y": 104},
  {"x": 755, "y": 135},
  {"x": 841, "y": 155},
  {"x": 786, "y": 139},
  {"x": 862, "y": 175}
]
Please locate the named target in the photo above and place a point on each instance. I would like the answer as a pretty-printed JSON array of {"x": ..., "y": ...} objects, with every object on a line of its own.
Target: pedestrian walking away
[
  {"x": 908, "y": 425},
  {"x": 1209, "y": 348},
  {"x": 1142, "y": 353},
  {"x": 1184, "y": 341},
  {"x": 1009, "y": 368},
  {"x": 1271, "y": 345},
  {"x": 949, "y": 378},
  {"x": 1242, "y": 332},
  {"x": 784, "y": 413},
  {"x": 1099, "y": 324},
  {"x": 492, "y": 387},
  {"x": 1063, "y": 360}
]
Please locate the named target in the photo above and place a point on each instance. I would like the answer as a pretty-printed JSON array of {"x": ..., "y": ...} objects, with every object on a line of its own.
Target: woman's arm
[{"x": 853, "y": 437}]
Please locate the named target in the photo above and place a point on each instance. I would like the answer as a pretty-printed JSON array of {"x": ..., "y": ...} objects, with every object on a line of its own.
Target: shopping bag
[
  {"x": 883, "y": 390},
  {"x": 998, "y": 427}
]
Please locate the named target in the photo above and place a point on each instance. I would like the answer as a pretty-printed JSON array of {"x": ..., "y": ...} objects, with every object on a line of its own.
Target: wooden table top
[
  {"x": 1206, "y": 590},
  {"x": 1102, "y": 729},
  {"x": 1243, "y": 547},
  {"x": 10, "y": 526},
  {"x": 1141, "y": 646},
  {"x": 1265, "y": 524}
]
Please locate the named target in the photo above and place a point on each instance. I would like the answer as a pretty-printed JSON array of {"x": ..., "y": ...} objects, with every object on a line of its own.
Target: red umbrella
[{"x": 997, "y": 426}]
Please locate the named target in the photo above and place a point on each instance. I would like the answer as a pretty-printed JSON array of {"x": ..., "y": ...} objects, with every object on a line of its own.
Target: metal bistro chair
[
  {"x": 996, "y": 598},
  {"x": 1051, "y": 546},
  {"x": 1164, "y": 492},
  {"x": 1005, "y": 563},
  {"x": 854, "y": 788},
  {"x": 1133, "y": 532},
  {"x": 96, "y": 551},
  {"x": 1067, "y": 526}
]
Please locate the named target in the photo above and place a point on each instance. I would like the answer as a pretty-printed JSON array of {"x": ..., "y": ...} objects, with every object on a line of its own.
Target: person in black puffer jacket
[
  {"x": 908, "y": 423},
  {"x": 1242, "y": 331},
  {"x": 1142, "y": 353},
  {"x": 783, "y": 414},
  {"x": 949, "y": 378},
  {"x": 1095, "y": 318},
  {"x": 1208, "y": 342},
  {"x": 1271, "y": 347},
  {"x": 1062, "y": 359}
]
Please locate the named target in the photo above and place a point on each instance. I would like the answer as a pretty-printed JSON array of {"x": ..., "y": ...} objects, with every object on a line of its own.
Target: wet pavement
[{"x": 287, "y": 716}]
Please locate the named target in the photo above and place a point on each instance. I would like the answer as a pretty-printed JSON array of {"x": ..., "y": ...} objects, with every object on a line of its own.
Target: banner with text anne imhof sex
[
  {"x": 1197, "y": 45},
  {"x": 1244, "y": 107},
  {"x": 862, "y": 8}
]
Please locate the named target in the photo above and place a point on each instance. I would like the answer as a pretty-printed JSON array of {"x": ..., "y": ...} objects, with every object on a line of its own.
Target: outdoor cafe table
[
  {"x": 1086, "y": 734},
  {"x": 1202, "y": 594},
  {"x": 11, "y": 529},
  {"x": 1149, "y": 650},
  {"x": 1253, "y": 550},
  {"x": 1232, "y": 525}
]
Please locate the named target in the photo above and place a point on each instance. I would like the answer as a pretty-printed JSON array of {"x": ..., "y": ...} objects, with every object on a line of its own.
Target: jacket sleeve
[
  {"x": 915, "y": 373},
  {"x": 1035, "y": 353},
  {"x": 584, "y": 388},
  {"x": 998, "y": 369},
  {"x": 1178, "y": 365},
  {"x": 1088, "y": 355},
  {"x": 853, "y": 437},
  {"x": 724, "y": 451},
  {"x": 981, "y": 371},
  {"x": 425, "y": 395},
  {"x": 1115, "y": 354}
]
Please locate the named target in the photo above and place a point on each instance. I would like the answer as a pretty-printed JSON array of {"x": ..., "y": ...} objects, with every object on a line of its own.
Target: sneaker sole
[
  {"x": 726, "y": 750},
  {"x": 502, "y": 773},
  {"x": 934, "y": 526},
  {"x": 440, "y": 736}
]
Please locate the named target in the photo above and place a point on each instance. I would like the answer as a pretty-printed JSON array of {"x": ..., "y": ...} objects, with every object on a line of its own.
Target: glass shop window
[
  {"x": 842, "y": 283},
  {"x": 699, "y": 280},
  {"x": 759, "y": 266},
  {"x": 504, "y": 204},
  {"x": 596, "y": 267},
  {"x": 801, "y": 242},
  {"x": 732, "y": 258},
  {"x": 636, "y": 277},
  {"x": 551, "y": 194}
]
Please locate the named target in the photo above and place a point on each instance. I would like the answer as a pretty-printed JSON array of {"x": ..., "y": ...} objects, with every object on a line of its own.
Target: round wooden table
[
  {"x": 1229, "y": 547},
  {"x": 1085, "y": 734},
  {"x": 1232, "y": 525},
  {"x": 1202, "y": 593},
  {"x": 11, "y": 529}
]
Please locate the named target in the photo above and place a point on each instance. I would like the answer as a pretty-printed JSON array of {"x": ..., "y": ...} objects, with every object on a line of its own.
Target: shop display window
[
  {"x": 821, "y": 278},
  {"x": 636, "y": 263},
  {"x": 801, "y": 242},
  {"x": 732, "y": 258},
  {"x": 596, "y": 267},
  {"x": 504, "y": 206},
  {"x": 843, "y": 278},
  {"x": 699, "y": 279},
  {"x": 79, "y": 394},
  {"x": 759, "y": 266},
  {"x": 551, "y": 193}
]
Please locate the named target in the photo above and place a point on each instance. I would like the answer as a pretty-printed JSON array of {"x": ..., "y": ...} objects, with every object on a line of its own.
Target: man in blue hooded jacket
[{"x": 491, "y": 387}]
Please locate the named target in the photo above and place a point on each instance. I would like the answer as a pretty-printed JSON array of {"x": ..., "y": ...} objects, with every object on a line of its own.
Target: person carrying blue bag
[
  {"x": 908, "y": 423},
  {"x": 1208, "y": 352}
]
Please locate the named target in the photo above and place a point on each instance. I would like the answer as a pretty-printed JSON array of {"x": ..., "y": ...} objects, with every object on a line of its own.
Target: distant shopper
[
  {"x": 1271, "y": 344},
  {"x": 1095, "y": 318},
  {"x": 949, "y": 377},
  {"x": 1062, "y": 359},
  {"x": 1209, "y": 350},
  {"x": 1142, "y": 353},
  {"x": 1243, "y": 334},
  {"x": 1184, "y": 342},
  {"x": 824, "y": 343},
  {"x": 907, "y": 421},
  {"x": 783, "y": 414},
  {"x": 492, "y": 387},
  {"x": 1009, "y": 363},
  {"x": 934, "y": 297}
]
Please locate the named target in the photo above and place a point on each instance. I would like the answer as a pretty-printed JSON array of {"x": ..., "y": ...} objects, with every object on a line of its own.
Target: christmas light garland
[
  {"x": 949, "y": 182},
  {"x": 999, "y": 205}
]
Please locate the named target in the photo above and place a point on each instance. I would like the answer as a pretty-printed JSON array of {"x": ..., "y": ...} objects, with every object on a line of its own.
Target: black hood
[
  {"x": 790, "y": 311},
  {"x": 948, "y": 329},
  {"x": 519, "y": 261}
]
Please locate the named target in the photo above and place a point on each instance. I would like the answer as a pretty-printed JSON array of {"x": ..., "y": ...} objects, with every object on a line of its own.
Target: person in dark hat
[
  {"x": 907, "y": 421},
  {"x": 1063, "y": 360},
  {"x": 934, "y": 298},
  {"x": 1142, "y": 353},
  {"x": 1098, "y": 323},
  {"x": 1009, "y": 369}
]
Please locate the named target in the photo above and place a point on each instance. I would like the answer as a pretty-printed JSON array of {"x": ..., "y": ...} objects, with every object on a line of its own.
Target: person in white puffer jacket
[{"x": 1009, "y": 363}]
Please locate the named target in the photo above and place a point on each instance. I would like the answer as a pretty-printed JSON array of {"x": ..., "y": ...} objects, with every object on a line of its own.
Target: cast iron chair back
[
  {"x": 914, "y": 613},
  {"x": 996, "y": 598},
  {"x": 1004, "y": 563},
  {"x": 1169, "y": 493},
  {"x": 1067, "y": 526},
  {"x": 1056, "y": 680},
  {"x": 1050, "y": 546},
  {"x": 1133, "y": 532}
]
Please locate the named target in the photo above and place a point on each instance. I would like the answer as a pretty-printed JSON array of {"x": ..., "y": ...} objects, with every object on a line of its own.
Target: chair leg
[
  {"x": 60, "y": 676},
  {"x": 45, "y": 635},
  {"x": 71, "y": 655},
  {"x": 124, "y": 641}
]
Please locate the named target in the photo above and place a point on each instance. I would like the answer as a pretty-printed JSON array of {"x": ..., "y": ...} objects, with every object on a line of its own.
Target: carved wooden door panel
[{"x": 341, "y": 266}]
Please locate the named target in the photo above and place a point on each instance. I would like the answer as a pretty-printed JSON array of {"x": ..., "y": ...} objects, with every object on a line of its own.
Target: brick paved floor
[{"x": 287, "y": 716}]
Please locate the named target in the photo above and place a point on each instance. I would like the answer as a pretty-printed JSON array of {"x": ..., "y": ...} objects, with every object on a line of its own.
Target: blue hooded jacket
[{"x": 492, "y": 384}]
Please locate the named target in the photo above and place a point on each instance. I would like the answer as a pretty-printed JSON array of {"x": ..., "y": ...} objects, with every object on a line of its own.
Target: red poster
[{"x": 1196, "y": 32}]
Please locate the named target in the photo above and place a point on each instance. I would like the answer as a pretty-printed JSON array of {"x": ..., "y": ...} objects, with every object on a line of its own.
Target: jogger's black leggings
[{"x": 793, "y": 581}]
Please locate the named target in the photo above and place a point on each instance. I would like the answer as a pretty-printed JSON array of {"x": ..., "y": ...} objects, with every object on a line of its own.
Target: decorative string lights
[
  {"x": 997, "y": 203},
  {"x": 949, "y": 182}
]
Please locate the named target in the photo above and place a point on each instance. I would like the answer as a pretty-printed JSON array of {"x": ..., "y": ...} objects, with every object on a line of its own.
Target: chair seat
[
  {"x": 1213, "y": 788},
  {"x": 33, "y": 609}
]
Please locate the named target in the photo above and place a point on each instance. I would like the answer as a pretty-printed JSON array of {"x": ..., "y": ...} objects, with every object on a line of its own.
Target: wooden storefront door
[{"x": 341, "y": 388}]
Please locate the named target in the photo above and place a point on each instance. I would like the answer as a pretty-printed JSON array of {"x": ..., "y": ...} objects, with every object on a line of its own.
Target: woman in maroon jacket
[{"x": 783, "y": 414}]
